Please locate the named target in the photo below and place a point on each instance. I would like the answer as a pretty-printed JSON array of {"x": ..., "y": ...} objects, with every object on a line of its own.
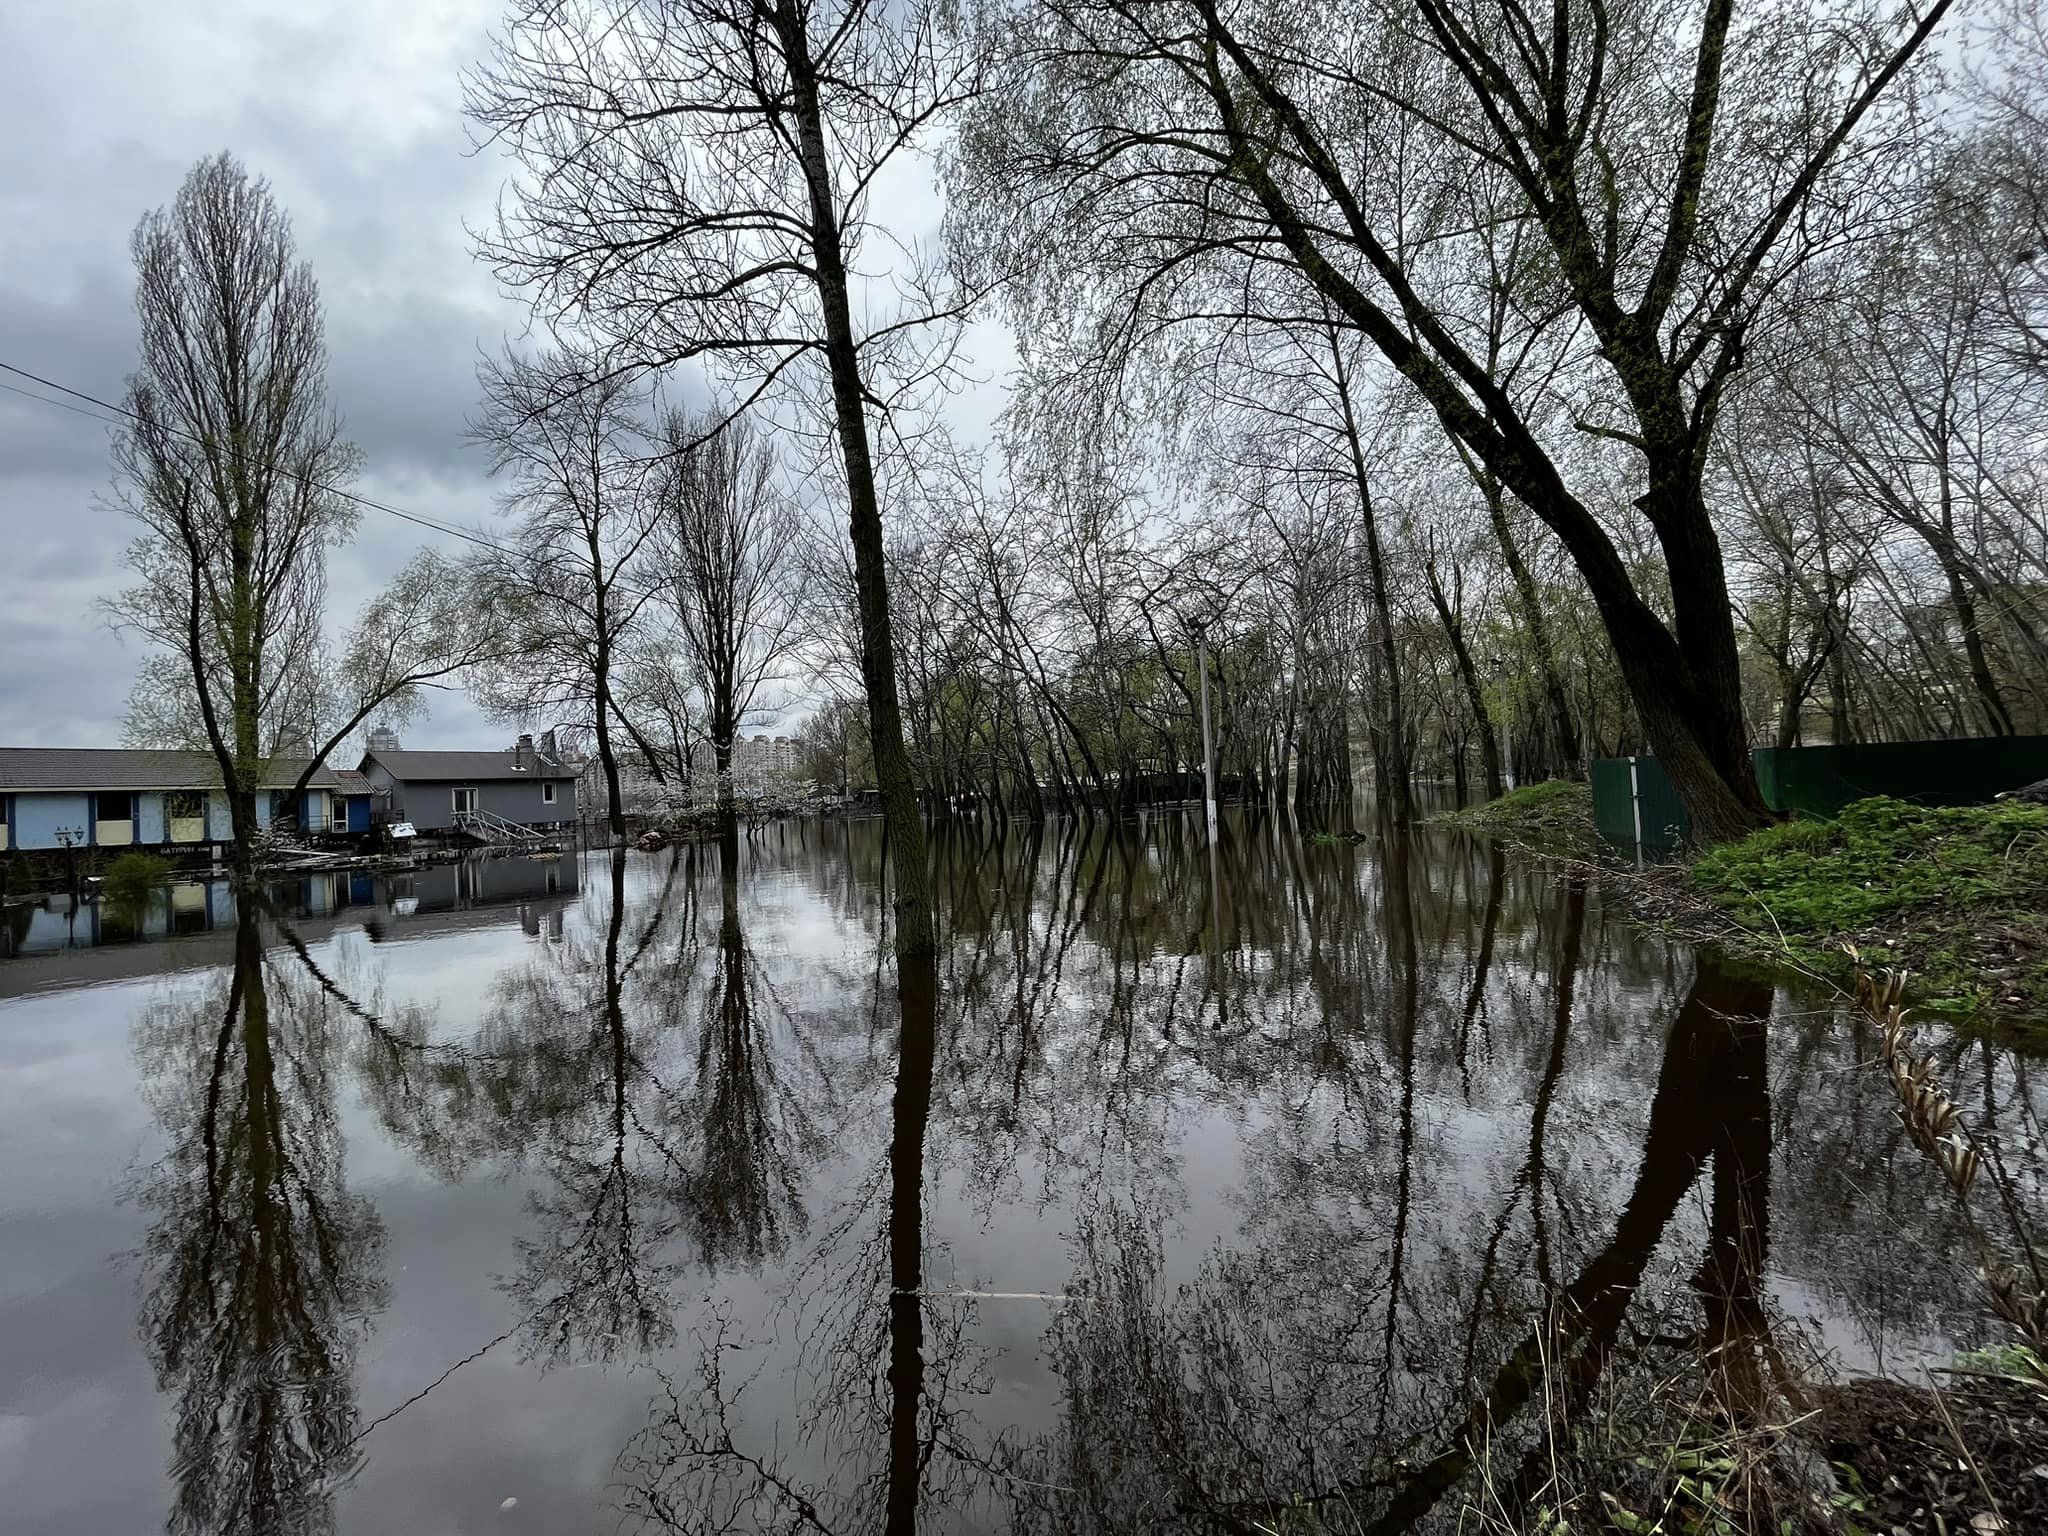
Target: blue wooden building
[{"x": 123, "y": 797}]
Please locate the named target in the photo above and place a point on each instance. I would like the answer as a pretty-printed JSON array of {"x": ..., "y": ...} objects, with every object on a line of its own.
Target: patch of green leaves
[
  {"x": 1913, "y": 885},
  {"x": 132, "y": 878}
]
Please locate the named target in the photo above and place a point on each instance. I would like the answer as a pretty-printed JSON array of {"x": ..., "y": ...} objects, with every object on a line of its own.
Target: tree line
[{"x": 1451, "y": 390}]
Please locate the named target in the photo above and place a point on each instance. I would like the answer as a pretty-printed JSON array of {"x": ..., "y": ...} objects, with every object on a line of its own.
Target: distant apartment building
[{"x": 758, "y": 762}]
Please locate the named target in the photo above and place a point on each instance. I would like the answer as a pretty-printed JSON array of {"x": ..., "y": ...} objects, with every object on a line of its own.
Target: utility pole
[{"x": 1208, "y": 749}]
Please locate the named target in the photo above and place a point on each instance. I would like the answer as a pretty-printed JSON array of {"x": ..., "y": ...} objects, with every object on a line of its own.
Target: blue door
[{"x": 359, "y": 813}]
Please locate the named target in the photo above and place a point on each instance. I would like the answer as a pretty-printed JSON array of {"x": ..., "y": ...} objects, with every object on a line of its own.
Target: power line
[
  {"x": 62, "y": 405},
  {"x": 332, "y": 490}
]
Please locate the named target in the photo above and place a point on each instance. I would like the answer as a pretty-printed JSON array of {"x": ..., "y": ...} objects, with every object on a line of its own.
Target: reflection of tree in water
[
  {"x": 885, "y": 1362},
  {"x": 1477, "y": 1120},
  {"x": 261, "y": 1269},
  {"x": 1261, "y": 1387},
  {"x": 596, "y": 1271},
  {"x": 1444, "y": 1077},
  {"x": 657, "y": 1081},
  {"x": 746, "y": 1139}
]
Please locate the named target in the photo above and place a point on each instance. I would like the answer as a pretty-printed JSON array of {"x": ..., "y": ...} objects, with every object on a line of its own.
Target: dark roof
[
  {"x": 54, "y": 768},
  {"x": 468, "y": 767}
]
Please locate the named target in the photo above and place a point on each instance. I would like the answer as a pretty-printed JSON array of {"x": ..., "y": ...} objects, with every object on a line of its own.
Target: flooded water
[{"x": 640, "y": 1192}]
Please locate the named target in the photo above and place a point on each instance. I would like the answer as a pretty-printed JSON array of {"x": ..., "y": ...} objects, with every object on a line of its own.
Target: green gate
[
  {"x": 1819, "y": 781},
  {"x": 1633, "y": 802}
]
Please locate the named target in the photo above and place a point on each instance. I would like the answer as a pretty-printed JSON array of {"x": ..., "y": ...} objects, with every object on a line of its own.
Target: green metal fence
[
  {"x": 1634, "y": 803},
  {"x": 1819, "y": 781}
]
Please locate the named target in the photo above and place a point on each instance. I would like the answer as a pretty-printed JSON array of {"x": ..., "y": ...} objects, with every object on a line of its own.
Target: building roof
[
  {"x": 469, "y": 767},
  {"x": 89, "y": 768}
]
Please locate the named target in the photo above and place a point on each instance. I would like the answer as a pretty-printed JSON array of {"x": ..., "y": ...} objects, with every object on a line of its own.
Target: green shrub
[{"x": 132, "y": 878}]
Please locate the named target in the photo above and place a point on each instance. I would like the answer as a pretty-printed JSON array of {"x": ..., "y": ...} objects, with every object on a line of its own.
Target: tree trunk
[
  {"x": 893, "y": 775},
  {"x": 1564, "y": 731},
  {"x": 721, "y": 760},
  {"x": 1394, "y": 791},
  {"x": 1996, "y": 716},
  {"x": 1475, "y": 696}
]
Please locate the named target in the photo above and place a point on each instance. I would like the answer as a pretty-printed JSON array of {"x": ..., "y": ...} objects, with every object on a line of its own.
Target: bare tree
[
  {"x": 729, "y": 555},
  {"x": 230, "y": 463},
  {"x": 1153, "y": 163},
  {"x": 431, "y": 629},
  {"x": 696, "y": 183},
  {"x": 572, "y": 444}
]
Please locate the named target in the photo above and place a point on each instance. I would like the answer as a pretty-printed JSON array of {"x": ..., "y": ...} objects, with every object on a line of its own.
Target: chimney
[{"x": 523, "y": 753}]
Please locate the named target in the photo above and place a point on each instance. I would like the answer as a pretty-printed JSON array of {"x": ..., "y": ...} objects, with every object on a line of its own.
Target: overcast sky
[{"x": 353, "y": 112}]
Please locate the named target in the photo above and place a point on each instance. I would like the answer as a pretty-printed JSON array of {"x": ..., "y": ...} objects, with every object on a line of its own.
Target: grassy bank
[
  {"x": 1958, "y": 896},
  {"x": 1553, "y": 813}
]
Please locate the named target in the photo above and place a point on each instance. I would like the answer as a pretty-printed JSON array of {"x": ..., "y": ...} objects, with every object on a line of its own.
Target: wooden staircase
[{"x": 495, "y": 830}]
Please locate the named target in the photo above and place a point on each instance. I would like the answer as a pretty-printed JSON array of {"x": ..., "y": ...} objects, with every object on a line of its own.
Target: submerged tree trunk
[
  {"x": 893, "y": 773},
  {"x": 910, "y": 1114}
]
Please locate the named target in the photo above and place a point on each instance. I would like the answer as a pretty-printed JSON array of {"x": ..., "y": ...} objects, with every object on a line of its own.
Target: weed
[{"x": 1553, "y": 811}]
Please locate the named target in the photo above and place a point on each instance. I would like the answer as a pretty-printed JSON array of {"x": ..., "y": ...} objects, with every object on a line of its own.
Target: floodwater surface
[{"x": 1182, "y": 1192}]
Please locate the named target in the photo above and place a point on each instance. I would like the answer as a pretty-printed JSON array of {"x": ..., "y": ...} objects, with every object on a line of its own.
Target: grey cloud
[{"x": 352, "y": 112}]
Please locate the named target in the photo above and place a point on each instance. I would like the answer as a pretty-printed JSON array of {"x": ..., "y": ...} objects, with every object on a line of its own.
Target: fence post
[{"x": 1635, "y": 795}]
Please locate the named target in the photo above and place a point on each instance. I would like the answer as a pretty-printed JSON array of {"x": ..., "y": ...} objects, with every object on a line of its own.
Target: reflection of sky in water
[{"x": 1084, "y": 1077}]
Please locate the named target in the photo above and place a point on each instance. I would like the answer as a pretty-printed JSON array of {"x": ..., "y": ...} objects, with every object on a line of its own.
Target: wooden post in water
[{"x": 1208, "y": 749}]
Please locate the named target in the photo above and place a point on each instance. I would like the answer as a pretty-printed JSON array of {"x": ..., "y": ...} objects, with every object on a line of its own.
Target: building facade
[
  {"x": 123, "y": 797},
  {"x": 437, "y": 791}
]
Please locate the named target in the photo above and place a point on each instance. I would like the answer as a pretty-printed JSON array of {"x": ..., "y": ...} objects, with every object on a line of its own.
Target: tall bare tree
[
  {"x": 729, "y": 554},
  {"x": 696, "y": 183},
  {"x": 230, "y": 463},
  {"x": 572, "y": 444}
]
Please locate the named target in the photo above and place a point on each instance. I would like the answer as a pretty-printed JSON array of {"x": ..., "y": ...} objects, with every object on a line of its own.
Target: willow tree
[
  {"x": 694, "y": 183},
  {"x": 1155, "y": 162},
  {"x": 231, "y": 461}
]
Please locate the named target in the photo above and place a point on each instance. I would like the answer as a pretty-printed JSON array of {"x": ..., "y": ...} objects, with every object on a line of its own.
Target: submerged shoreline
[{"x": 1955, "y": 897}]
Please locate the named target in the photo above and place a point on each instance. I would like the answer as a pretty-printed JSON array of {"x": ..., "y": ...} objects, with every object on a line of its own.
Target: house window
[
  {"x": 111, "y": 807},
  {"x": 465, "y": 802},
  {"x": 547, "y": 792},
  {"x": 185, "y": 815}
]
